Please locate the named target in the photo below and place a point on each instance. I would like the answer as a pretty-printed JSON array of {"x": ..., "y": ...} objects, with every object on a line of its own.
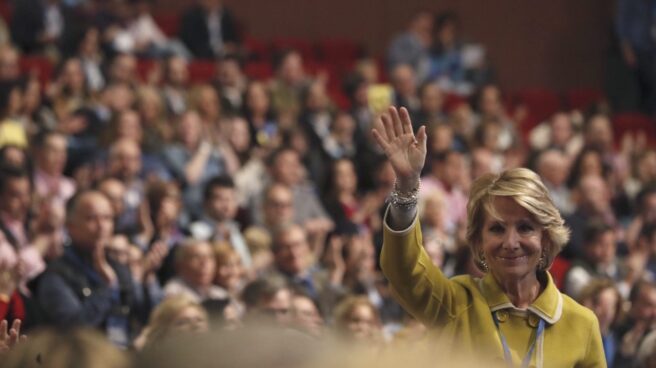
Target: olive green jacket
[{"x": 459, "y": 310}]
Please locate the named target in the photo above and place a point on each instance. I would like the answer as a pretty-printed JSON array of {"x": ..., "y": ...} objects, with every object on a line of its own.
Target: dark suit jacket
[{"x": 195, "y": 33}]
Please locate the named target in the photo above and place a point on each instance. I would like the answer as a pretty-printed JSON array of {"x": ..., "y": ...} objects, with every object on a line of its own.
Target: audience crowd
[{"x": 152, "y": 207}]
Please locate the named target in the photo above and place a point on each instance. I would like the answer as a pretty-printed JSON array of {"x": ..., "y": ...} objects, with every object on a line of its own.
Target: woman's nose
[{"x": 511, "y": 240}]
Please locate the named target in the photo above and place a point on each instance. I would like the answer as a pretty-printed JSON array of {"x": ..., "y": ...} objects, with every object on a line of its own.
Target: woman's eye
[
  {"x": 526, "y": 228},
  {"x": 496, "y": 228}
]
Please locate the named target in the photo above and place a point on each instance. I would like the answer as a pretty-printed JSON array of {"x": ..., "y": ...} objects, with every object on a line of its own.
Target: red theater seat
[
  {"x": 169, "y": 23},
  {"x": 582, "y": 98},
  {"x": 304, "y": 47},
  {"x": 40, "y": 65},
  {"x": 257, "y": 49},
  {"x": 201, "y": 71},
  {"x": 338, "y": 50},
  {"x": 259, "y": 70},
  {"x": 634, "y": 122},
  {"x": 541, "y": 103}
]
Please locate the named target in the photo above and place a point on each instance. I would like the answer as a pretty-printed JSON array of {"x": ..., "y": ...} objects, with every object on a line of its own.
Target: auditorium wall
[{"x": 557, "y": 43}]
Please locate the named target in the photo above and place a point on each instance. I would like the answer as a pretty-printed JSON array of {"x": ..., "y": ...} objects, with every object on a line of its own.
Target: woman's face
[
  {"x": 129, "y": 126},
  {"x": 511, "y": 243},
  {"x": 362, "y": 323},
  {"x": 240, "y": 136},
  {"x": 190, "y": 319},
  {"x": 345, "y": 178},
  {"x": 228, "y": 272},
  {"x": 591, "y": 164},
  {"x": 605, "y": 308},
  {"x": 258, "y": 100},
  {"x": 208, "y": 102}
]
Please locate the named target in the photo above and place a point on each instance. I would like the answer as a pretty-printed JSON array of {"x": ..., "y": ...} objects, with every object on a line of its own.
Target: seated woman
[{"x": 514, "y": 312}]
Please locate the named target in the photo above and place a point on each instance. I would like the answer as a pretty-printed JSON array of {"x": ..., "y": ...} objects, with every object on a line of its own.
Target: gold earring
[{"x": 483, "y": 263}]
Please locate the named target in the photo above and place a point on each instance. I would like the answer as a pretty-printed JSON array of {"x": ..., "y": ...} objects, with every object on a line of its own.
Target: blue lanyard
[{"x": 506, "y": 349}]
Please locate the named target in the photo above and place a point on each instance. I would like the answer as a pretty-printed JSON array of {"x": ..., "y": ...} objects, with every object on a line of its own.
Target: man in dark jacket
[
  {"x": 83, "y": 287},
  {"x": 208, "y": 30}
]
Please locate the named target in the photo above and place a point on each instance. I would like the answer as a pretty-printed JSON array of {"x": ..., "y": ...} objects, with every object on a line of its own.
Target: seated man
[
  {"x": 84, "y": 287},
  {"x": 195, "y": 267},
  {"x": 294, "y": 259},
  {"x": 268, "y": 299},
  {"x": 218, "y": 220}
]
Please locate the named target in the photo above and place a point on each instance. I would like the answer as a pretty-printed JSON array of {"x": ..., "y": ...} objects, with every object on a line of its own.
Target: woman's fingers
[
  {"x": 389, "y": 129},
  {"x": 406, "y": 124},
  {"x": 421, "y": 136},
  {"x": 3, "y": 330},
  {"x": 382, "y": 141},
  {"x": 396, "y": 121}
]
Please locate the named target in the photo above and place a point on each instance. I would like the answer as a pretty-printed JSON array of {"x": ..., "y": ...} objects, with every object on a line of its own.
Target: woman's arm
[{"x": 419, "y": 285}]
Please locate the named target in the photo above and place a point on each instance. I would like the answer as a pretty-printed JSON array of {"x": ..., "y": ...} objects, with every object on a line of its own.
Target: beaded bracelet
[{"x": 404, "y": 200}]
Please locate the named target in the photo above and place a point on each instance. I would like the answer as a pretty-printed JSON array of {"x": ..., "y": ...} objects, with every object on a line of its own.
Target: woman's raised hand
[{"x": 405, "y": 151}]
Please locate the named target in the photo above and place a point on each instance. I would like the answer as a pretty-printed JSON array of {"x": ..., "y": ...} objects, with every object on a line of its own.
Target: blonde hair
[
  {"x": 223, "y": 251},
  {"x": 343, "y": 310},
  {"x": 162, "y": 318},
  {"x": 527, "y": 190}
]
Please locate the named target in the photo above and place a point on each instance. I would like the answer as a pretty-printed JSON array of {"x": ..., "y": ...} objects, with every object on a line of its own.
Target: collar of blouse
[{"x": 549, "y": 305}]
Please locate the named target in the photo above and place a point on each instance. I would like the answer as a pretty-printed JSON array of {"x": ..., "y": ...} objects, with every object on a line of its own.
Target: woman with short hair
[{"x": 514, "y": 313}]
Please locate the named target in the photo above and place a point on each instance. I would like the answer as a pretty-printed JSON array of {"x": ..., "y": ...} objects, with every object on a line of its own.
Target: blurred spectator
[
  {"x": 9, "y": 63},
  {"x": 553, "y": 166},
  {"x": 164, "y": 208},
  {"x": 195, "y": 267},
  {"x": 268, "y": 300},
  {"x": 193, "y": 161},
  {"x": 634, "y": 27},
  {"x": 589, "y": 162},
  {"x": 489, "y": 106},
  {"x": 645, "y": 213},
  {"x": 639, "y": 322},
  {"x": 345, "y": 204},
  {"x": 38, "y": 25},
  {"x": 603, "y": 298},
  {"x": 174, "y": 316},
  {"x": 294, "y": 259},
  {"x": 457, "y": 67},
  {"x": 558, "y": 132},
  {"x": 230, "y": 272},
  {"x": 286, "y": 88},
  {"x": 209, "y": 30},
  {"x": 592, "y": 202},
  {"x": 643, "y": 172},
  {"x": 174, "y": 87},
  {"x": 357, "y": 321},
  {"x": 231, "y": 83},
  {"x": 83, "y": 287},
  {"x": 218, "y": 220},
  {"x": 306, "y": 316},
  {"x": 404, "y": 82},
  {"x": 50, "y": 162},
  {"x": 431, "y": 110},
  {"x": 15, "y": 205},
  {"x": 12, "y": 129},
  {"x": 445, "y": 176},
  {"x": 125, "y": 164},
  {"x": 259, "y": 113},
  {"x": 157, "y": 130},
  {"x": 599, "y": 261},
  {"x": 411, "y": 47},
  {"x": 122, "y": 69}
]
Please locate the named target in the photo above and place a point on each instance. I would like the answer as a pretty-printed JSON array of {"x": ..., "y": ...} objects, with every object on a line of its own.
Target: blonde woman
[
  {"x": 174, "y": 315},
  {"x": 514, "y": 313}
]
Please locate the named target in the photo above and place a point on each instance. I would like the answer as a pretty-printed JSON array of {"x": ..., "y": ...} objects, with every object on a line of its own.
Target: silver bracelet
[{"x": 405, "y": 200}]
